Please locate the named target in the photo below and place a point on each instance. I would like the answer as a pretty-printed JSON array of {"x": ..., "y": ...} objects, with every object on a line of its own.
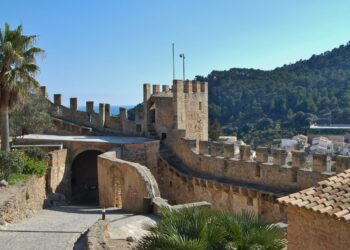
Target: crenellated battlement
[
  {"x": 233, "y": 161},
  {"x": 70, "y": 118},
  {"x": 156, "y": 89},
  {"x": 187, "y": 86},
  {"x": 183, "y": 106},
  {"x": 179, "y": 86}
]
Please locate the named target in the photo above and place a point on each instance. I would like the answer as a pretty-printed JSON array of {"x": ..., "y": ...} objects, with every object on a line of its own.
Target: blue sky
[{"x": 104, "y": 50}]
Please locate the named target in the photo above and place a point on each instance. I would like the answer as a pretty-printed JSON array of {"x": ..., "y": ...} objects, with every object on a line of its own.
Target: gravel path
[{"x": 57, "y": 228}]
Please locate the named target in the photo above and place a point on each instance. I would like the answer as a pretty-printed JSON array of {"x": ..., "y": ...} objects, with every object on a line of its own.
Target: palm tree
[
  {"x": 204, "y": 229},
  {"x": 17, "y": 73},
  {"x": 245, "y": 231},
  {"x": 186, "y": 228}
]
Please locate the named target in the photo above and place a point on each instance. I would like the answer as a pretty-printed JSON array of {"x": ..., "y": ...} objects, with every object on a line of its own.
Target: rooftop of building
[
  {"x": 333, "y": 126},
  {"x": 330, "y": 197},
  {"x": 104, "y": 139}
]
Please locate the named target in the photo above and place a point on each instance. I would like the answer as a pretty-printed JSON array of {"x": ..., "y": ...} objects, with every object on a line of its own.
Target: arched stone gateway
[
  {"x": 125, "y": 184},
  {"x": 84, "y": 181}
]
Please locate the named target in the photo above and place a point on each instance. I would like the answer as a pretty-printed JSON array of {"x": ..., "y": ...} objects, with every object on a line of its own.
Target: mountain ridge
[{"x": 260, "y": 105}]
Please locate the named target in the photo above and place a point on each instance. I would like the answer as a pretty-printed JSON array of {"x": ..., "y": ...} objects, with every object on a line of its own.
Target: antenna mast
[{"x": 173, "y": 62}]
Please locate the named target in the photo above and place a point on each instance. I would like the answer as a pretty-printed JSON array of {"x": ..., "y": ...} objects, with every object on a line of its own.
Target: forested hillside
[{"x": 260, "y": 105}]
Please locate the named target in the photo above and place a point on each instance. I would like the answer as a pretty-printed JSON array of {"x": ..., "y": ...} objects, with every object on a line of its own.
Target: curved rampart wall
[
  {"x": 136, "y": 184},
  {"x": 179, "y": 188},
  {"x": 219, "y": 160}
]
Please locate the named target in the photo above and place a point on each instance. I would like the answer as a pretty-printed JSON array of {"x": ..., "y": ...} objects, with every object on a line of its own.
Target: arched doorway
[{"x": 84, "y": 183}]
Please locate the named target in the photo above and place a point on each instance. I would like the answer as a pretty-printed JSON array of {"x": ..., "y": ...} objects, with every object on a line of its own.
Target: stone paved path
[
  {"x": 120, "y": 229},
  {"x": 50, "y": 229},
  {"x": 134, "y": 226}
]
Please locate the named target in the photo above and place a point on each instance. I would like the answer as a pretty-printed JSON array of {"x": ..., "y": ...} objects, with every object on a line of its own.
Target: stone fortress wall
[
  {"x": 221, "y": 173},
  {"x": 235, "y": 182},
  {"x": 85, "y": 122},
  {"x": 220, "y": 160}
]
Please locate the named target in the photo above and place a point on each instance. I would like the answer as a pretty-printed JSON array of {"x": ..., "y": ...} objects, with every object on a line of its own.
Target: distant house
[
  {"x": 301, "y": 139},
  {"x": 321, "y": 145},
  {"x": 297, "y": 142},
  {"x": 288, "y": 143},
  {"x": 319, "y": 217},
  {"x": 335, "y": 132}
]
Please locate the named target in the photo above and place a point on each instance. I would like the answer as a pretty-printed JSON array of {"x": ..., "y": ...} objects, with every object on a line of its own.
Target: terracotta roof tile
[
  {"x": 330, "y": 197},
  {"x": 346, "y": 217},
  {"x": 341, "y": 213}
]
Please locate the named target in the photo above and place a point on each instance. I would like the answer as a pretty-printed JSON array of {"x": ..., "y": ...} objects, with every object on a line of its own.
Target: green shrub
[
  {"x": 205, "y": 229},
  {"x": 14, "y": 165},
  {"x": 17, "y": 177},
  {"x": 35, "y": 154},
  {"x": 11, "y": 162},
  {"x": 35, "y": 167}
]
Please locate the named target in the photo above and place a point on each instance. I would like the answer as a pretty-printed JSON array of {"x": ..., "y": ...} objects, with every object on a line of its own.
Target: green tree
[
  {"x": 245, "y": 231},
  {"x": 215, "y": 131},
  {"x": 318, "y": 86},
  {"x": 17, "y": 73},
  {"x": 32, "y": 116}
]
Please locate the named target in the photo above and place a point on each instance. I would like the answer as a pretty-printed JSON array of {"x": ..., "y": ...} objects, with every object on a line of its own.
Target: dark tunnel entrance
[{"x": 84, "y": 178}]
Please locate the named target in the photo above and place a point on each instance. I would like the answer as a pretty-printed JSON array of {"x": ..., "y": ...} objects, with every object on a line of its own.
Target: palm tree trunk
[{"x": 5, "y": 128}]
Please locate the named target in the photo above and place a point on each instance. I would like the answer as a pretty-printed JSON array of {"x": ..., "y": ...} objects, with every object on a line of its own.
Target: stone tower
[{"x": 184, "y": 107}]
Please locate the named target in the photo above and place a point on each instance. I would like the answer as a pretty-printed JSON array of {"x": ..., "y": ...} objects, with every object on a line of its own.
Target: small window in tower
[
  {"x": 138, "y": 128},
  {"x": 200, "y": 105}
]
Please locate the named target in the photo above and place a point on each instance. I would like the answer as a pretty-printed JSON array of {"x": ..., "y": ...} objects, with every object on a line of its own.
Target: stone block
[
  {"x": 155, "y": 89},
  {"x": 73, "y": 103},
  {"x": 342, "y": 163},
  {"x": 244, "y": 152},
  {"x": 107, "y": 109},
  {"x": 298, "y": 158},
  {"x": 196, "y": 86},
  {"x": 187, "y": 87},
  {"x": 279, "y": 156},
  {"x": 57, "y": 99},
  {"x": 90, "y": 107},
  {"x": 262, "y": 154},
  {"x": 229, "y": 150},
  {"x": 146, "y": 91},
  {"x": 320, "y": 162},
  {"x": 204, "y": 87}
]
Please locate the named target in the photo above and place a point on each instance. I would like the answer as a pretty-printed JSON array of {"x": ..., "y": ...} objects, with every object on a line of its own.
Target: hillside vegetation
[{"x": 260, "y": 105}]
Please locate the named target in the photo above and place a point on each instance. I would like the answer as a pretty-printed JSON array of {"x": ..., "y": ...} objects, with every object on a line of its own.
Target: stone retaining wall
[{"x": 22, "y": 200}]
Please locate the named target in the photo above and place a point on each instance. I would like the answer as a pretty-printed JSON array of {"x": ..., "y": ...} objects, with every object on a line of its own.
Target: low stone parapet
[{"x": 96, "y": 237}]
